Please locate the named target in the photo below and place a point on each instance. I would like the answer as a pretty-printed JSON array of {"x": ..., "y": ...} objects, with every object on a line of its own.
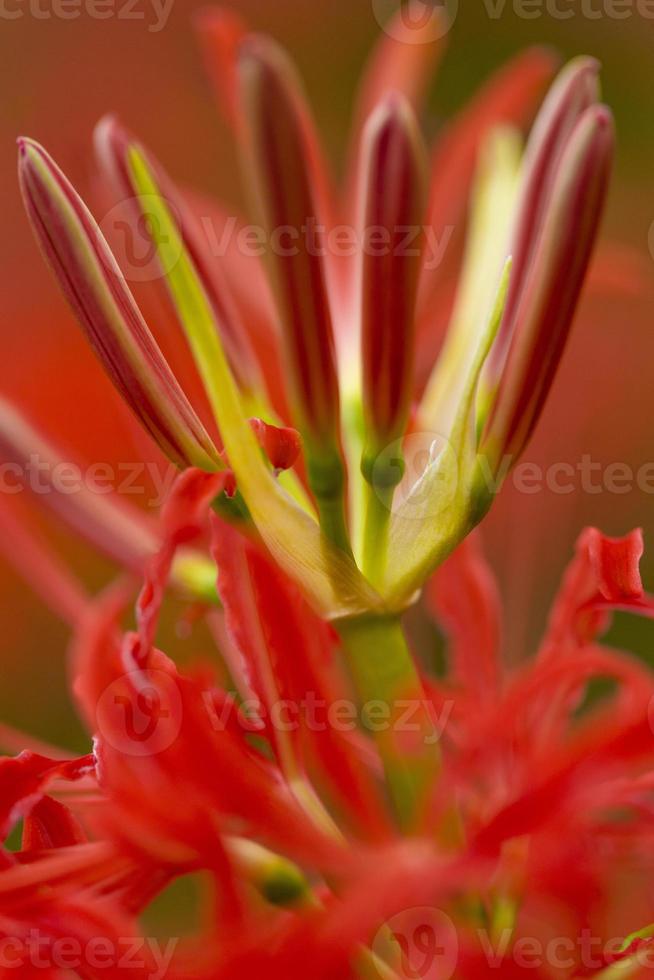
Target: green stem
[
  {"x": 331, "y": 513},
  {"x": 395, "y": 709},
  {"x": 375, "y": 534},
  {"x": 327, "y": 481}
]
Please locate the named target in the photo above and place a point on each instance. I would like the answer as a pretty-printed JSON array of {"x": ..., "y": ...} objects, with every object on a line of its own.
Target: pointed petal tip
[
  {"x": 261, "y": 60},
  {"x": 27, "y": 147},
  {"x": 582, "y": 75},
  {"x": 111, "y": 142},
  {"x": 393, "y": 114},
  {"x": 257, "y": 53},
  {"x": 598, "y": 124},
  {"x": 393, "y": 106},
  {"x": 108, "y": 125},
  {"x": 603, "y": 117}
]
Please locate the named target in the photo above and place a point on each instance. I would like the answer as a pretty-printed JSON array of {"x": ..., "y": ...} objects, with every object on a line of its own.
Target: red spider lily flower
[
  {"x": 314, "y": 293},
  {"x": 359, "y": 572},
  {"x": 352, "y": 812}
]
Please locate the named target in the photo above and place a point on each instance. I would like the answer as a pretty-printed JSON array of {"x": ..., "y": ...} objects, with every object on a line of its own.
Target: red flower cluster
[{"x": 537, "y": 829}]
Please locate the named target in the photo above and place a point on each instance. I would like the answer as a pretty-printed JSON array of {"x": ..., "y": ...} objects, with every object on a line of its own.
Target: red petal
[
  {"x": 464, "y": 597},
  {"x": 402, "y": 62},
  {"x": 25, "y": 779},
  {"x": 182, "y": 518},
  {"x": 508, "y": 98},
  {"x": 220, "y": 32},
  {"x": 39, "y": 565},
  {"x": 98, "y": 294},
  {"x": 603, "y": 569},
  {"x": 113, "y": 144},
  {"x": 281, "y": 445},
  {"x": 50, "y": 824},
  {"x": 540, "y": 318},
  {"x": 289, "y": 183},
  {"x": 289, "y": 653},
  {"x": 393, "y": 192},
  {"x": 108, "y": 521}
]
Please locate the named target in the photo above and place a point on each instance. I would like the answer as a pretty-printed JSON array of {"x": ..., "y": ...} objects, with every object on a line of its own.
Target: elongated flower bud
[
  {"x": 552, "y": 286},
  {"x": 575, "y": 90},
  {"x": 99, "y": 296},
  {"x": 113, "y": 145},
  {"x": 393, "y": 196},
  {"x": 281, "y": 156}
]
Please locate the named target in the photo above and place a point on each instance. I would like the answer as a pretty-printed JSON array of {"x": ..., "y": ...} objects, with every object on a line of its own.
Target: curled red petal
[
  {"x": 50, "y": 824},
  {"x": 182, "y": 518},
  {"x": 25, "y": 779},
  {"x": 281, "y": 445},
  {"x": 605, "y": 569}
]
